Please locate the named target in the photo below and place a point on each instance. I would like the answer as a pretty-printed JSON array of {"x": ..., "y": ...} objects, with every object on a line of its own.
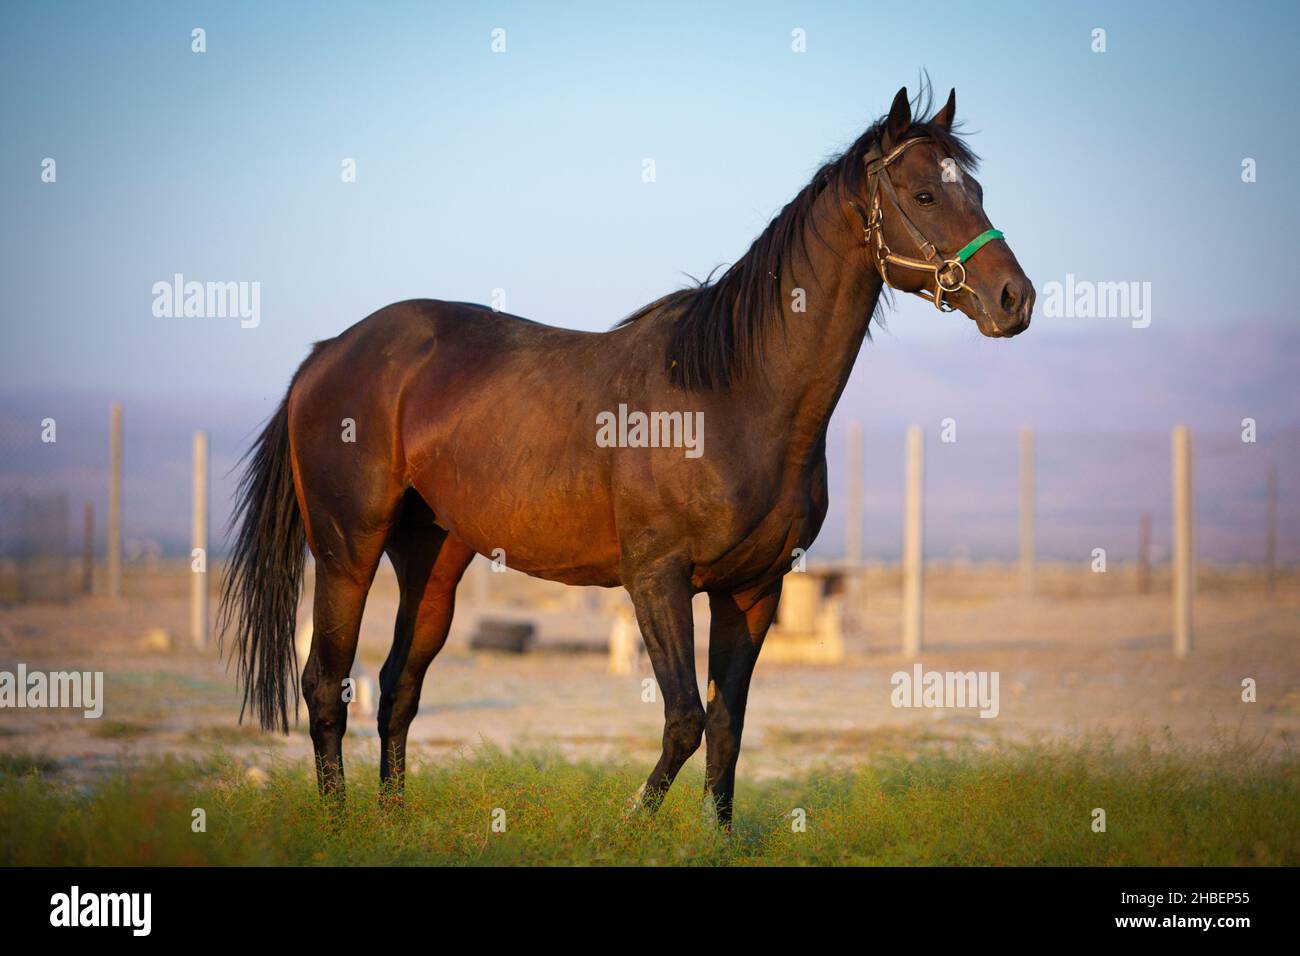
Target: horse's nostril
[{"x": 1009, "y": 298}]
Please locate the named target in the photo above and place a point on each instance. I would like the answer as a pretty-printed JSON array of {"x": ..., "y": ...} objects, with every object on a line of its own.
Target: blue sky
[{"x": 522, "y": 170}]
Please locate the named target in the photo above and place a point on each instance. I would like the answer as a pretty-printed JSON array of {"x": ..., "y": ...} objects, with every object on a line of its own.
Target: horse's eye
[{"x": 925, "y": 199}]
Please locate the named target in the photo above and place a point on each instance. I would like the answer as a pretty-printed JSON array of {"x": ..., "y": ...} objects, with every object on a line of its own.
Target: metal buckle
[{"x": 948, "y": 267}]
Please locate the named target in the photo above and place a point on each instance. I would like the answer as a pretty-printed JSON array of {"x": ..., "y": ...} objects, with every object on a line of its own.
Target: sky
[{"x": 521, "y": 171}]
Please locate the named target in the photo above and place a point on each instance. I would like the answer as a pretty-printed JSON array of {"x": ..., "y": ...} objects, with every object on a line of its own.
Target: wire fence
[
  {"x": 35, "y": 563},
  {"x": 1091, "y": 491}
]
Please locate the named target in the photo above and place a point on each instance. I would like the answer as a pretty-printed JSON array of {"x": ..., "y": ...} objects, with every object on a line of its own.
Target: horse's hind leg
[
  {"x": 339, "y": 602},
  {"x": 429, "y": 565},
  {"x": 348, "y": 546}
]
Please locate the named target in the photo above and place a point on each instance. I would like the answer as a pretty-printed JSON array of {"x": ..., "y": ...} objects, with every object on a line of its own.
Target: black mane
[{"x": 721, "y": 324}]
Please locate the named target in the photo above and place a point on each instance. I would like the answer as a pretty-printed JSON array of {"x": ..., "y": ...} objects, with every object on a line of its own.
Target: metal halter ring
[{"x": 949, "y": 267}]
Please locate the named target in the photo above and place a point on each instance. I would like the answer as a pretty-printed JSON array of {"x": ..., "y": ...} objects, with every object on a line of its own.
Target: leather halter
[{"x": 949, "y": 274}]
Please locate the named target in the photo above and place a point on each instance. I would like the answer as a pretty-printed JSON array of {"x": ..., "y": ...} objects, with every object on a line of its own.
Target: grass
[
  {"x": 120, "y": 730},
  {"x": 1020, "y": 806},
  {"x": 22, "y": 765},
  {"x": 227, "y": 735}
]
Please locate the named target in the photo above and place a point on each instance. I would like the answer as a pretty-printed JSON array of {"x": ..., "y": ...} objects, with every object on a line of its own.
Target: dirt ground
[{"x": 1084, "y": 654}]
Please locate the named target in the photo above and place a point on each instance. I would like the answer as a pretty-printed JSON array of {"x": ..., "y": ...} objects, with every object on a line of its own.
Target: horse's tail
[{"x": 259, "y": 594}]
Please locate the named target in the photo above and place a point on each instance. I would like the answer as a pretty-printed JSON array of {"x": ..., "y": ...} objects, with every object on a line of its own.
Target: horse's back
[
  {"x": 465, "y": 322},
  {"x": 442, "y": 343}
]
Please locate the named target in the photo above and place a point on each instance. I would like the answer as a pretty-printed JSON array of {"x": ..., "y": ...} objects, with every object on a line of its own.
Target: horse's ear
[
  {"x": 898, "y": 121},
  {"x": 943, "y": 119}
]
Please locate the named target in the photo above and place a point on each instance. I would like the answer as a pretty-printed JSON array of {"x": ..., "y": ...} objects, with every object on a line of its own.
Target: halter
[{"x": 949, "y": 274}]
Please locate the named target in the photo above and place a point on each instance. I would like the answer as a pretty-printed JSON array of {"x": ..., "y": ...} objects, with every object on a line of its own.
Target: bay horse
[{"x": 433, "y": 431}]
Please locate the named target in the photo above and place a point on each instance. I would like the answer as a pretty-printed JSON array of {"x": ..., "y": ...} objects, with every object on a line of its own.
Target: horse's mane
[{"x": 720, "y": 324}]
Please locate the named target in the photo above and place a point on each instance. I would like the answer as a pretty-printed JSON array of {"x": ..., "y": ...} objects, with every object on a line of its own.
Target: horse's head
[{"x": 925, "y": 225}]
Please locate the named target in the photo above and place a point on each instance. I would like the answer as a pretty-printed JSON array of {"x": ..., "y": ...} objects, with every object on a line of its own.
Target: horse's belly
[{"x": 555, "y": 525}]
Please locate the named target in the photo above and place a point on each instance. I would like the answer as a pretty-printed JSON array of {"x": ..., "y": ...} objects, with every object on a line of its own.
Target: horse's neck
[{"x": 807, "y": 368}]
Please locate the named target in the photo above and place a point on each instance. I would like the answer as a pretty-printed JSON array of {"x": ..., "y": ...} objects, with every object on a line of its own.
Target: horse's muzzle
[{"x": 1015, "y": 307}]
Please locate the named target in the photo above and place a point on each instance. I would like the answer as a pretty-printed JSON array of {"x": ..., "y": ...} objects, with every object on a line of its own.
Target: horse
[{"x": 432, "y": 431}]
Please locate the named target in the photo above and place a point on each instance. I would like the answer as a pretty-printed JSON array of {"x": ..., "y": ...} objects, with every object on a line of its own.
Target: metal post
[
  {"x": 1026, "y": 511},
  {"x": 853, "y": 530},
  {"x": 1270, "y": 543},
  {"x": 88, "y": 548},
  {"x": 913, "y": 543},
  {"x": 199, "y": 545},
  {"x": 1144, "y": 553},
  {"x": 113, "y": 569},
  {"x": 1184, "y": 564}
]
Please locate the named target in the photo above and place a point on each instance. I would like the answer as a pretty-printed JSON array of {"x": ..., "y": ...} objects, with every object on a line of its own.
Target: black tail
[{"x": 259, "y": 594}]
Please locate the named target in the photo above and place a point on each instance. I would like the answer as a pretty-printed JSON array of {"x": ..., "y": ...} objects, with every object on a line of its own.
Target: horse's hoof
[
  {"x": 709, "y": 812},
  {"x": 634, "y": 803}
]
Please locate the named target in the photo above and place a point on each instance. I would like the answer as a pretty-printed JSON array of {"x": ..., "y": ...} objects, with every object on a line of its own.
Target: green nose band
[{"x": 976, "y": 244}]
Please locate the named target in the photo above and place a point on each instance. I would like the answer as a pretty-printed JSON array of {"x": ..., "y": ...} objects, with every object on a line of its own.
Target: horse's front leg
[
  {"x": 662, "y": 598},
  {"x": 739, "y": 624}
]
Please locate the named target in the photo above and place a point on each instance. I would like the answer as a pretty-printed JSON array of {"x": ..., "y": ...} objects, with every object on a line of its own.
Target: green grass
[
  {"x": 227, "y": 735},
  {"x": 1019, "y": 806},
  {"x": 120, "y": 730},
  {"x": 22, "y": 765}
]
